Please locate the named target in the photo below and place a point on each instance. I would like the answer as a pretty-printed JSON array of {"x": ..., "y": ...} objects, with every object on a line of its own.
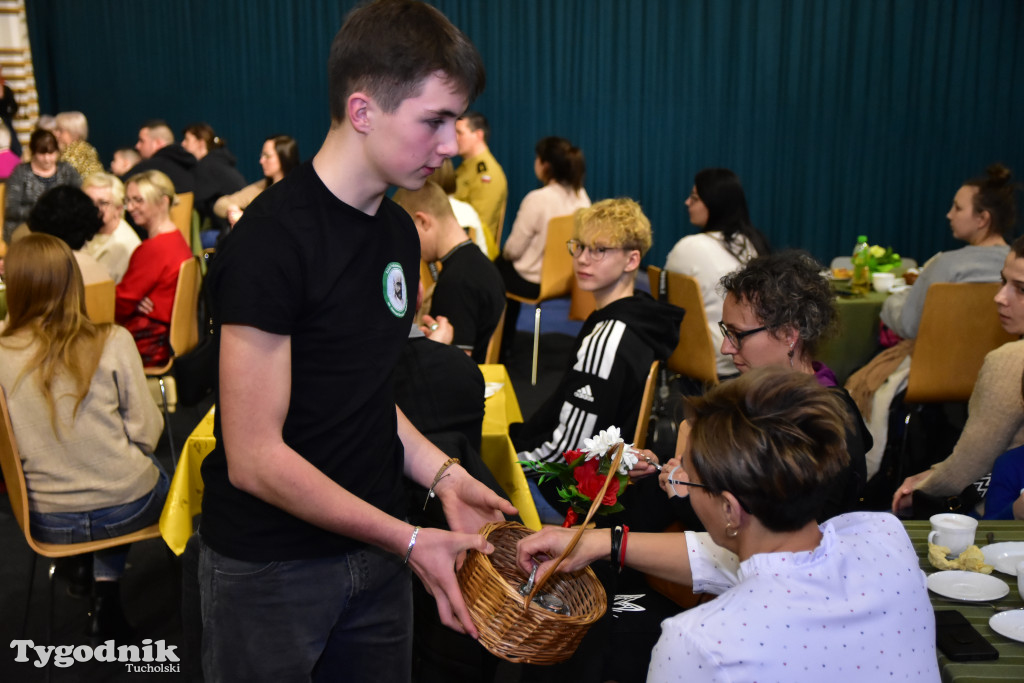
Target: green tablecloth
[
  {"x": 856, "y": 338},
  {"x": 1010, "y": 665}
]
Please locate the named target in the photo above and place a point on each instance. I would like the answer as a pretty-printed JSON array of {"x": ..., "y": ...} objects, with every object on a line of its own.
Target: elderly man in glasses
[{"x": 614, "y": 350}]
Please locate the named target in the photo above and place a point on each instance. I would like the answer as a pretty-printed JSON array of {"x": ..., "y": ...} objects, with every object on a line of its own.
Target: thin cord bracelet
[{"x": 441, "y": 474}]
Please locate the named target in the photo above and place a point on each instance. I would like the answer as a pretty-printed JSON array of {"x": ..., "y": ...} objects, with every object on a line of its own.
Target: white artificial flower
[
  {"x": 629, "y": 458},
  {"x": 598, "y": 445}
]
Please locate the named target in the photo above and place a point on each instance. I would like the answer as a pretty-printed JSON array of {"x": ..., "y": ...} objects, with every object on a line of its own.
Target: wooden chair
[
  {"x": 654, "y": 280},
  {"x": 555, "y": 277},
  {"x": 582, "y": 303},
  {"x": 426, "y": 277},
  {"x": 184, "y": 335},
  {"x": 181, "y": 215},
  {"x": 958, "y": 327},
  {"x": 99, "y": 301},
  {"x": 694, "y": 356},
  {"x": 646, "y": 406},
  {"x": 494, "y": 345},
  {"x": 17, "y": 492}
]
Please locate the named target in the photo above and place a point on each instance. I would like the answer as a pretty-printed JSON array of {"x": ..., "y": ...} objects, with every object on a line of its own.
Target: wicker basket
[{"x": 490, "y": 585}]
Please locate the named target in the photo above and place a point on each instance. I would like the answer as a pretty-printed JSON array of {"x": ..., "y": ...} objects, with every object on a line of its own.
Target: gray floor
[{"x": 151, "y": 584}]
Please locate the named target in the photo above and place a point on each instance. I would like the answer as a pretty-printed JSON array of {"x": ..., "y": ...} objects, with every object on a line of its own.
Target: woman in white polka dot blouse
[{"x": 797, "y": 601}]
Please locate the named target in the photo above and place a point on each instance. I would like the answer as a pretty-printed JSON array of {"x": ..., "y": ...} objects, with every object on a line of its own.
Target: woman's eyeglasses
[
  {"x": 688, "y": 483},
  {"x": 576, "y": 248},
  {"x": 736, "y": 338}
]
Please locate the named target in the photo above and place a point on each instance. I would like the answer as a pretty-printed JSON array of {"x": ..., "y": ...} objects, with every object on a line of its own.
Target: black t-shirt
[
  {"x": 440, "y": 389},
  {"x": 471, "y": 294},
  {"x": 341, "y": 284}
]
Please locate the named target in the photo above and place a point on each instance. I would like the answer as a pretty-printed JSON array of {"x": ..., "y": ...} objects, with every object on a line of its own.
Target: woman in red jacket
[{"x": 145, "y": 294}]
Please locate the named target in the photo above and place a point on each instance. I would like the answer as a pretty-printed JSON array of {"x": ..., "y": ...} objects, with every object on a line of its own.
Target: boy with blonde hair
[{"x": 615, "y": 348}]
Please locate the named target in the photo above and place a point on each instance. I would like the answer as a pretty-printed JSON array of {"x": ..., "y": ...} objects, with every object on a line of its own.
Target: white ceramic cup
[
  {"x": 1020, "y": 578},
  {"x": 882, "y": 282},
  {"x": 954, "y": 531}
]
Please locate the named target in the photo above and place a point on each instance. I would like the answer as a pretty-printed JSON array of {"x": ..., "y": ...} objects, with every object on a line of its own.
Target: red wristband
[{"x": 622, "y": 552}]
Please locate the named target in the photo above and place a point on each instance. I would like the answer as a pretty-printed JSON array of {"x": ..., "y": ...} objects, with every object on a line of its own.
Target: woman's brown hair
[
  {"x": 46, "y": 306},
  {"x": 775, "y": 439}
]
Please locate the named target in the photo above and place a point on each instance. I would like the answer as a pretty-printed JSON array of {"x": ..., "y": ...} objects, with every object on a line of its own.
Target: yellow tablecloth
[
  {"x": 1010, "y": 665},
  {"x": 496, "y": 449},
  {"x": 185, "y": 498}
]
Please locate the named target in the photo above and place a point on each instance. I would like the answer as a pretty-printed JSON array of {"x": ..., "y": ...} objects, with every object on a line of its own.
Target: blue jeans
[
  {"x": 347, "y": 617},
  {"x": 109, "y": 522}
]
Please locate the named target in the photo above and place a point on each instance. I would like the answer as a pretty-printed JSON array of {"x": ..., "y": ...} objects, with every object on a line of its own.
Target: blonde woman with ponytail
[{"x": 84, "y": 420}]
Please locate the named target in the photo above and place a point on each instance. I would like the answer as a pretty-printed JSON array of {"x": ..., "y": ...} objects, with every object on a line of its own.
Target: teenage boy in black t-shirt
[
  {"x": 301, "y": 564},
  {"x": 469, "y": 290}
]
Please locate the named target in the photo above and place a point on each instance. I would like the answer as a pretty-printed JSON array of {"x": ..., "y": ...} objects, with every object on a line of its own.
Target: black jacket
[{"x": 613, "y": 354}]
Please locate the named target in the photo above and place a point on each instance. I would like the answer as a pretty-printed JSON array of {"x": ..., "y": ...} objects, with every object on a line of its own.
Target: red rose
[
  {"x": 589, "y": 482},
  {"x": 570, "y": 518},
  {"x": 571, "y": 456}
]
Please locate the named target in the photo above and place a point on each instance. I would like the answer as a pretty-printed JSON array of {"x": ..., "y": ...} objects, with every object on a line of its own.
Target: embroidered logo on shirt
[
  {"x": 396, "y": 293},
  {"x": 584, "y": 394},
  {"x": 627, "y": 603}
]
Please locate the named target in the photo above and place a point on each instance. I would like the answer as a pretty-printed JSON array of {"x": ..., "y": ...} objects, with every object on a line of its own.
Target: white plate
[
  {"x": 967, "y": 586},
  {"x": 491, "y": 388},
  {"x": 1009, "y": 624},
  {"x": 1004, "y": 556}
]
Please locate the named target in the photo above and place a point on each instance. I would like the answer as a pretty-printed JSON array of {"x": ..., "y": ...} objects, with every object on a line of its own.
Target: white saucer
[
  {"x": 1009, "y": 624},
  {"x": 1004, "y": 556},
  {"x": 967, "y": 586}
]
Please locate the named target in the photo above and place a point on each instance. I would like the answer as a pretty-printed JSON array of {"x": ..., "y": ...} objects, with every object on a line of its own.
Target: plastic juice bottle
[{"x": 861, "y": 280}]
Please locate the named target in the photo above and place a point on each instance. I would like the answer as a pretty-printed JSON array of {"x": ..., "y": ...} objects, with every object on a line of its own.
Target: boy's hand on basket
[
  {"x": 547, "y": 544},
  {"x": 468, "y": 504},
  {"x": 433, "y": 559}
]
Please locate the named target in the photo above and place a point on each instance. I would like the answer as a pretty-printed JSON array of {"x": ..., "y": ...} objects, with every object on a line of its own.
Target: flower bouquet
[
  {"x": 882, "y": 259},
  {"x": 582, "y": 474}
]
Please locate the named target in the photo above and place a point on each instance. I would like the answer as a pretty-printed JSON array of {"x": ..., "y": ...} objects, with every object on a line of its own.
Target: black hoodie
[
  {"x": 216, "y": 176},
  {"x": 613, "y": 354},
  {"x": 173, "y": 161}
]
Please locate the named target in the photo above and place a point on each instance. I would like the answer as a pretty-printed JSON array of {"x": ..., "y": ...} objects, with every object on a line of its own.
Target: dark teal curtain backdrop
[{"x": 841, "y": 116}]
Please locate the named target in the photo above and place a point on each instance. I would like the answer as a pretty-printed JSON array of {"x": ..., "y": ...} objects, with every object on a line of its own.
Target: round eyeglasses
[{"x": 576, "y": 248}]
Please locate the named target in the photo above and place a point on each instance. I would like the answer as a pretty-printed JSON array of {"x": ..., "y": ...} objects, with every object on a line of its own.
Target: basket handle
[{"x": 620, "y": 449}]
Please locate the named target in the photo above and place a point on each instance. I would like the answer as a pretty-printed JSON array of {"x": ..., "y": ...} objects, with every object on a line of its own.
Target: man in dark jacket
[{"x": 160, "y": 153}]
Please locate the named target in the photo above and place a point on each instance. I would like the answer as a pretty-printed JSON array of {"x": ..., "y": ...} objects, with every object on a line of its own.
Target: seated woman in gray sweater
[
  {"x": 983, "y": 213},
  {"x": 83, "y": 417}
]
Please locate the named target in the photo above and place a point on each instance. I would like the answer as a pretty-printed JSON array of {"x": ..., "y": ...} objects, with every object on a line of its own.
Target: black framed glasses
[
  {"x": 576, "y": 248},
  {"x": 736, "y": 338},
  {"x": 688, "y": 483}
]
